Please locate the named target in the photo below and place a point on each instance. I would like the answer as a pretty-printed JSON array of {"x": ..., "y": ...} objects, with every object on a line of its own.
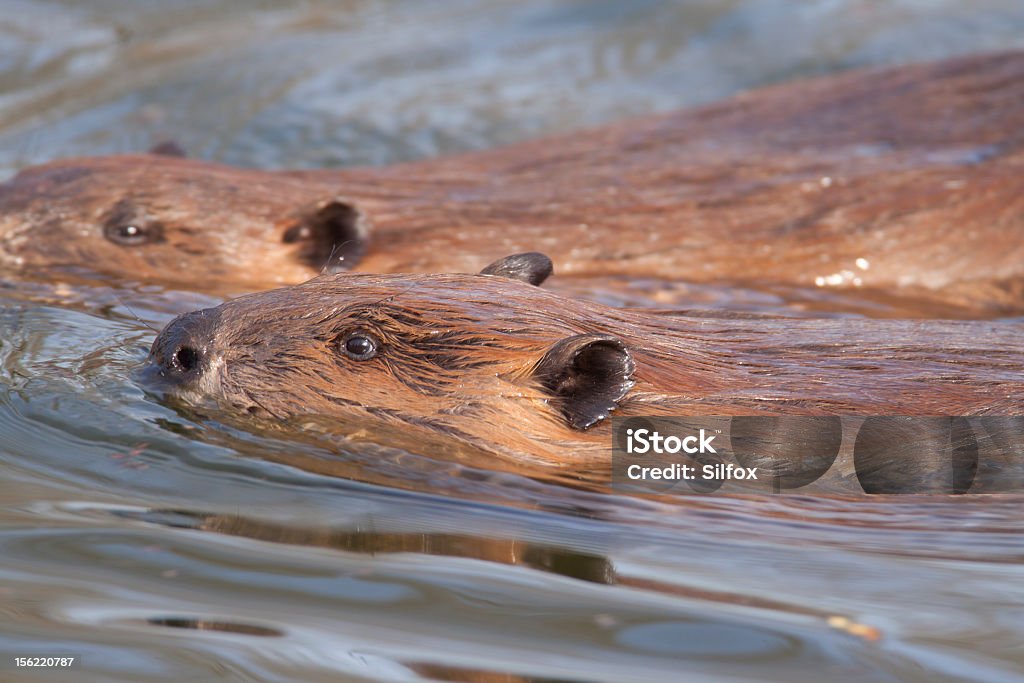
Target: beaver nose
[{"x": 182, "y": 351}]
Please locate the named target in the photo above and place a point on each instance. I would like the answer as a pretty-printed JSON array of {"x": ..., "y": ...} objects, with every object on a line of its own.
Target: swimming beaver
[
  {"x": 492, "y": 369},
  {"x": 899, "y": 180}
]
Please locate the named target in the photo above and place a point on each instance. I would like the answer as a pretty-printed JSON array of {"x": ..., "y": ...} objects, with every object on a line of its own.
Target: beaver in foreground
[
  {"x": 900, "y": 180},
  {"x": 491, "y": 369}
]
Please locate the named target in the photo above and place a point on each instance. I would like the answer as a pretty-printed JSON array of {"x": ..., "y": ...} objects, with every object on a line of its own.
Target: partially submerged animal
[
  {"x": 491, "y": 370},
  {"x": 903, "y": 180}
]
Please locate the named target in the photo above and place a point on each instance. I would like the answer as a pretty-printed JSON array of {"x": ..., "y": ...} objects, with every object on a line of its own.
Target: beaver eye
[
  {"x": 133, "y": 234},
  {"x": 360, "y": 346}
]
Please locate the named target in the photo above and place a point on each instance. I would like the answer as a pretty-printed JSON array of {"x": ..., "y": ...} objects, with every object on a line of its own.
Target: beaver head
[
  {"x": 477, "y": 360},
  {"x": 152, "y": 217},
  {"x": 463, "y": 366}
]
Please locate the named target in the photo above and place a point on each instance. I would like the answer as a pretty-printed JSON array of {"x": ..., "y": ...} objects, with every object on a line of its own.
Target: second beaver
[
  {"x": 496, "y": 372},
  {"x": 902, "y": 180}
]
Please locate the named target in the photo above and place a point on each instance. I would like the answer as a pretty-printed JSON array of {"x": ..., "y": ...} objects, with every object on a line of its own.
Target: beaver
[
  {"x": 492, "y": 369},
  {"x": 903, "y": 179}
]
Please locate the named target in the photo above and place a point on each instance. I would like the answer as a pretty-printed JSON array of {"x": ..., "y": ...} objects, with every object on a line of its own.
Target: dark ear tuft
[
  {"x": 332, "y": 236},
  {"x": 588, "y": 375},
  {"x": 168, "y": 148},
  {"x": 532, "y": 267}
]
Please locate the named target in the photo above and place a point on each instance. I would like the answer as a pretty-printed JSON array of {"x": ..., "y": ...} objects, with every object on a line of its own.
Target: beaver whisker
[
  {"x": 391, "y": 299},
  {"x": 261, "y": 406},
  {"x": 335, "y": 249},
  {"x": 138, "y": 317},
  {"x": 229, "y": 386}
]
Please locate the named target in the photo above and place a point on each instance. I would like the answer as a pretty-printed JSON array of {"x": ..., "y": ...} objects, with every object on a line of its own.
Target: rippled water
[
  {"x": 161, "y": 547},
  {"x": 340, "y": 83}
]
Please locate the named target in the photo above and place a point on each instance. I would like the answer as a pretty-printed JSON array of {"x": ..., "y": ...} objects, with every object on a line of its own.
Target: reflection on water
[{"x": 162, "y": 548}]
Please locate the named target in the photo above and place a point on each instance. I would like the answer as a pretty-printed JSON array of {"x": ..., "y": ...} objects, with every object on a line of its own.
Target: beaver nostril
[{"x": 185, "y": 359}]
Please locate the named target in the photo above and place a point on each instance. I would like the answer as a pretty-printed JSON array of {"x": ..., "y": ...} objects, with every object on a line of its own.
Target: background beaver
[
  {"x": 899, "y": 180},
  {"x": 495, "y": 372}
]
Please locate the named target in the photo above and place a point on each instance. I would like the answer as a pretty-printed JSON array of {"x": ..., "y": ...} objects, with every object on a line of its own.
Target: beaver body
[
  {"x": 486, "y": 369},
  {"x": 901, "y": 180}
]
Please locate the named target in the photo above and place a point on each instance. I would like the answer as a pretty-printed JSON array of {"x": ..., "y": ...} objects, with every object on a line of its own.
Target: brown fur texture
[
  {"x": 903, "y": 180},
  {"x": 462, "y": 365}
]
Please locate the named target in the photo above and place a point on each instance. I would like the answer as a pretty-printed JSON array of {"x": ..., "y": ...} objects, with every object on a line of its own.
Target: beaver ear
[
  {"x": 588, "y": 375},
  {"x": 532, "y": 267},
  {"x": 168, "y": 148},
  {"x": 332, "y": 235}
]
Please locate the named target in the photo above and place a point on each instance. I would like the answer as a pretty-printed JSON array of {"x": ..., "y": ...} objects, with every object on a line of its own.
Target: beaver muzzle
[{"x": 182, "y": 356}]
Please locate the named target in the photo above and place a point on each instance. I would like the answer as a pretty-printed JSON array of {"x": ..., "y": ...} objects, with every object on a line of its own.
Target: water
[
  {"x": 340, "y": 83},
  {"x": 162, "y": 547}
]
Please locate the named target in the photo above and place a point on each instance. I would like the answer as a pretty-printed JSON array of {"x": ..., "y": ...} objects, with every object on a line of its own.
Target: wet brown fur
[
  {"x": 915, "y": 169},
  {"x": 455, "y": 374}
]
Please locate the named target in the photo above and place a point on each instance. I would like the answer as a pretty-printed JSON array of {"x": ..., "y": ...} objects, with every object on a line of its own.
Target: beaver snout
[{"x": 183, "y": 352}]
